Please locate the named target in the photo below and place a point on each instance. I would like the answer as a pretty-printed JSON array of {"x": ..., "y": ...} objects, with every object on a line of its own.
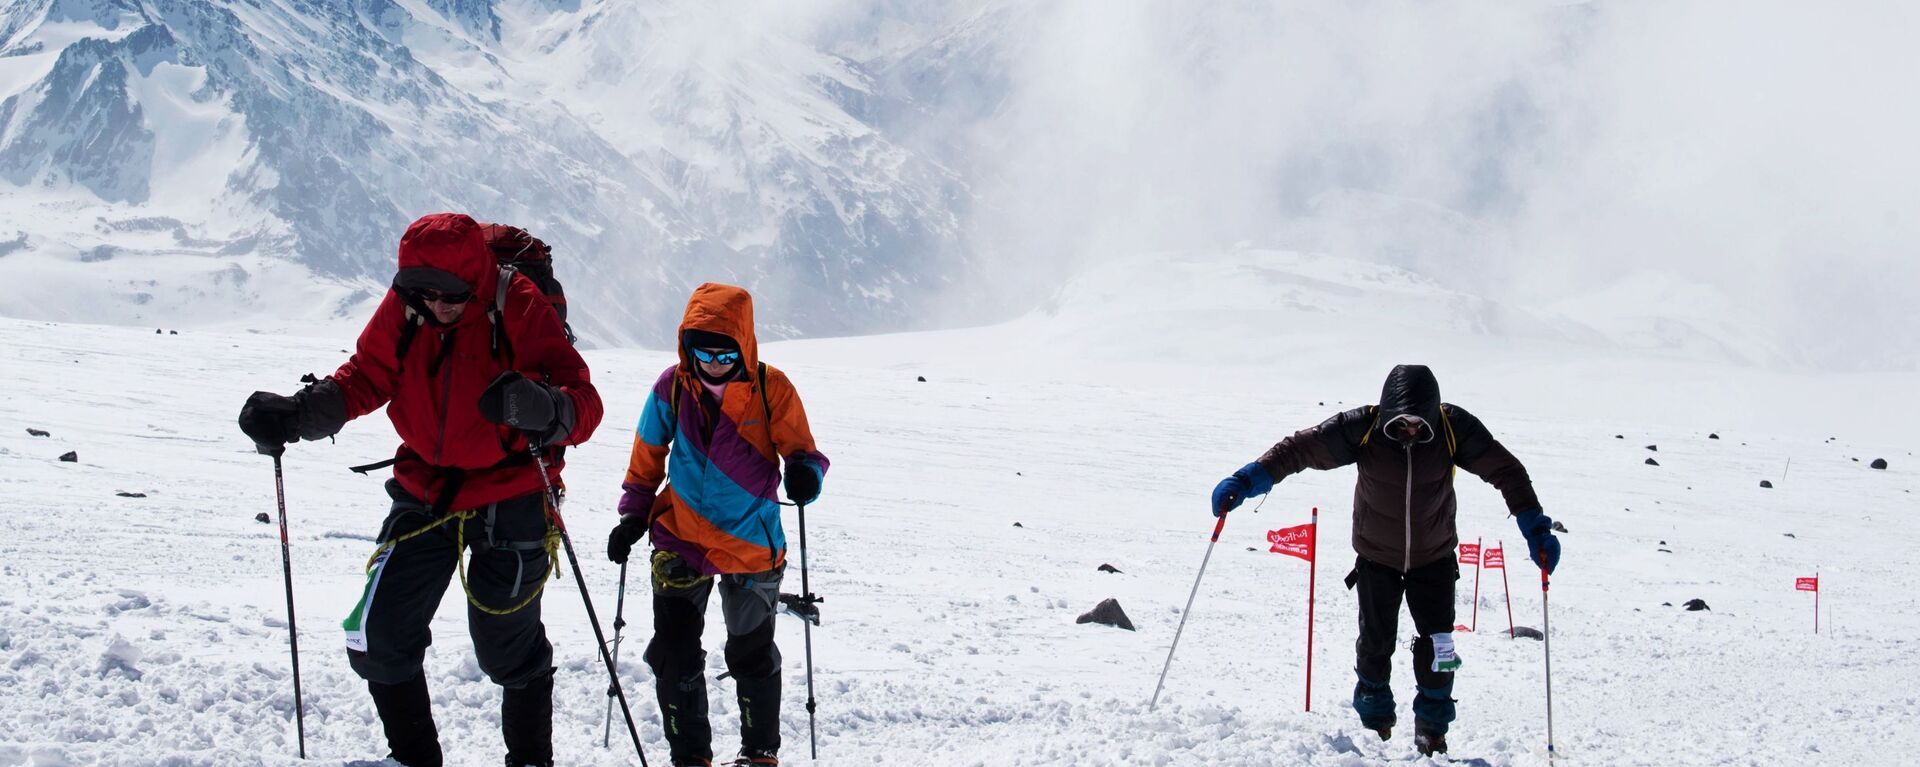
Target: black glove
[
  {"x": 803, "y": 482},
  {"x": 314, "y": 413},
  {"x": 620, "y": 542},
  {"x": 271, "y": 420},
  {"x": 516, "y": 401}
]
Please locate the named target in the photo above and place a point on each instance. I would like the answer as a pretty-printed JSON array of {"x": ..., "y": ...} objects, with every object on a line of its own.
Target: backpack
[{"x": 517, "y": 249}]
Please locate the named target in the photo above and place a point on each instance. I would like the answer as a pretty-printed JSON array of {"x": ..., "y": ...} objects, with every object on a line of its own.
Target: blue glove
[
  {"x": 1542, "y": 547},
  {"x": 1250, "y": 480}
]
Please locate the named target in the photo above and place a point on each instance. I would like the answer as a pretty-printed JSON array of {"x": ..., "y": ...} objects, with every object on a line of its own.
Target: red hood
[{"x": 454, "y": 244}]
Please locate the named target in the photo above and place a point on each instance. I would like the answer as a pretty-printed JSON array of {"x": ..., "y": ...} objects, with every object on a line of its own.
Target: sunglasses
[
  {"x": 716, "y": 358},
  {"x": 429, "y": 295}
]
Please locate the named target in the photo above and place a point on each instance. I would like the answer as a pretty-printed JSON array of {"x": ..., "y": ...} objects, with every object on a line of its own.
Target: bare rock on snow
[
  {"x": 1017, "y": 524},
  {"x": 1651, "y": 462},
  {"x": 1765, "y": 483},
  {"x": 1107, "y": 613},
  {"x": 71, "y": 456},
  {"x": 1654, "y": 448},
  {"x": 1619, "y": 436},
  {"x": 125, "y": 494},
  {"x": 1713, "y": 436},
  {"x": 1527, "y": 632},
  {"x": 1696, "y": 605},
  {"x": 1790, "y": 535},
  {"x": 1105, "y": 568},
  {"x": 1559, "y": 528},
  {"x": 1878, "y": 463},
  {"x": 921, "y": 379},
  {"x": 38, "y": 433},
  {"x": 262, "y": 518}
]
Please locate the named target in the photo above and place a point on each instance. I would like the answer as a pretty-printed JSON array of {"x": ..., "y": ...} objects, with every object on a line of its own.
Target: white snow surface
[{"x": 152, "y": 630}]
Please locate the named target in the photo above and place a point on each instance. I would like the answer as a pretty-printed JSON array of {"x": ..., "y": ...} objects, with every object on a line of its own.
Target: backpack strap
[
  {"x": 410, "y": 324},
  {"x": 502, "y": 345},
  {"x": 1371, "y": 427}
]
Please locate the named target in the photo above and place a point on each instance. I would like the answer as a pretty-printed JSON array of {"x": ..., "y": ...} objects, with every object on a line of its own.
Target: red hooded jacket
[{"x": 432, "y": 393}]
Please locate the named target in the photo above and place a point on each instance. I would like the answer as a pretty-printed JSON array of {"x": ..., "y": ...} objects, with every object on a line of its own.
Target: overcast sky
[{"x": 1524, "y": 151}]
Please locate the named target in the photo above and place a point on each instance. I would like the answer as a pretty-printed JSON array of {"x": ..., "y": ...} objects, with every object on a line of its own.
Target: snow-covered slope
[{"x": 144, "y": 630}]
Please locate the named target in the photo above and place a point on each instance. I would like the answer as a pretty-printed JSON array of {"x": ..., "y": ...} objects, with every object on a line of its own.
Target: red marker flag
[
  {"x": 1296, "y": 541},
  {"x": 1469, "y": 553},
  {"x": 1806, "y": 584},
  {"x": 1496, "y": 558}
]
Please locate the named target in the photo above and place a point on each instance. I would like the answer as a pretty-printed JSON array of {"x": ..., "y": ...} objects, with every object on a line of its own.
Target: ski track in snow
[{"x": 152, "y": 631}]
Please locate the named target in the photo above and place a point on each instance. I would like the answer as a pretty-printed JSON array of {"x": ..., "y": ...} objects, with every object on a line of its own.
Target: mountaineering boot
[
  {"x": 406, "y": 712},
  {"x": 683, "y": 714},
  {"x": 751, "y": 758},
  {"x": 526, "y": 723},
  {"x": 759, "y": 718},
  {"x": 1429, "y": 743}
]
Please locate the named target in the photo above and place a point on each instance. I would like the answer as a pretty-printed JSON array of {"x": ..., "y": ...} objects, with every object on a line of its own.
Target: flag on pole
[
  {"x": 1469, "y": 553},
  {"x": 1806, "y": 584},
  {"x": 1496, "y": 558},
  {"x": 1296, "y": 541}
]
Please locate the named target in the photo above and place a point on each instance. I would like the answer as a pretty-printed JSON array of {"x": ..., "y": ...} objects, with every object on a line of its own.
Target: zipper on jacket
[
  {"x": 446, "y": 407},
  {"x": 1406, "y": 560}
]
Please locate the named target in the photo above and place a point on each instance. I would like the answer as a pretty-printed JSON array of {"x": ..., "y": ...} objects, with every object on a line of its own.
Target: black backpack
[{"x": 517, "y": 249}]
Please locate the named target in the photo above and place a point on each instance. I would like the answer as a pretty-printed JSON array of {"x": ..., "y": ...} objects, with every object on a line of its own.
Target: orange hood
[{"x": 723, "y": 309}]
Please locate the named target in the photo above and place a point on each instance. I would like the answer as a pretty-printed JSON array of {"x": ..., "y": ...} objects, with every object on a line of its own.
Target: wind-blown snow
[{"x": 152, "y": 630}]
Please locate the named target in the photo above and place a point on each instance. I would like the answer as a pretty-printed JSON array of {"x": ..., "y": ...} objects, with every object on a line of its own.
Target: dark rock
[
  {"x": 921, "y": 379},
  {"x": 1651, "y": 462},
  {"x": 1856, "y": 460},
  {"x": 1107, "y": 613},
  {"x": 156, "y": 331},
  {"x": 1526, "y": 632},
  {"x": 1713, "y": 436},
  {"x": 125, "y": 494},
  {"x": 1790, "y": 535},
  {"x": 1766, "y": 483},
  {"x": 1559, "y": 528},
  {"x": 1654, "y": 448},
  {"x": 1109, "y": 569},
  {"x": 1665, "y": 551},
  {"x": 173, "y": 332},
  {"x": 71, "y": 457},
  {"x": 1619, "y": 436},
  {"x": 1018, "y": 474},
  {"x": 1663, "y": 543},
  {"x": 38, "y": 433},
  {"x": 1878, "y": 463},
  {"x": 262, "y": 518},
  {"x": 1666, "y": 604},
  {"x": 1017, "y": 524},
  {"x": 1250, "y": 548},
  {"x": 1696, "y": 605}
]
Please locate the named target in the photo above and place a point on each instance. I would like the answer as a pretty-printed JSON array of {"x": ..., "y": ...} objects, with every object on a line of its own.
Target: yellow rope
[{"x": 551, "y": 544}]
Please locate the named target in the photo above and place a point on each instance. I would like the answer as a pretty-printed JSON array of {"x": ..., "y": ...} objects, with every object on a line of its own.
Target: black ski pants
[
  {"x": 506, "y": 561},
  {"x": 1428, "y": 591},
  {"x": 748, "y": 603}
]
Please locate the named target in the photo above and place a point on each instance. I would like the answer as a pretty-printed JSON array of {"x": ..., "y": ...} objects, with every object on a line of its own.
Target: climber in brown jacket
[{"x": 1406, "y": 449}]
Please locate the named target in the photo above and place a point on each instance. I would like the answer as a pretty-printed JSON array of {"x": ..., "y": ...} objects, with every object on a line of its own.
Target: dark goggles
[
  {"x": 429, "y": 295},
  {"x": 716, "y": 357}
]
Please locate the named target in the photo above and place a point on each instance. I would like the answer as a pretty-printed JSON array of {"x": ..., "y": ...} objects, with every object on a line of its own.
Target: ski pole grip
[{"x": 1219, "y": 523}]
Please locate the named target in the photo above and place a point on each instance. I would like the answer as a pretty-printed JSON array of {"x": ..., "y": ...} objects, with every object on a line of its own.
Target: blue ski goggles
[{"x": 716, "y": 357}]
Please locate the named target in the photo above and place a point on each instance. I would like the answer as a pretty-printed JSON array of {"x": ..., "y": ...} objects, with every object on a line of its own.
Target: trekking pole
[
  {"x": 806, "y": 627},
  {"x": 619, "y": 622},
  {"x": 286, "y": 571},
  {"x": 1546, "y": 635},
  {"x": 600, "y": 637},
  {"x": 1217, "y": 525}
]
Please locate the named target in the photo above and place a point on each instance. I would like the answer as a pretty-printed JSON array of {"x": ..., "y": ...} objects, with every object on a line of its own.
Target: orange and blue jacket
[{"x": 720, "y": 512}]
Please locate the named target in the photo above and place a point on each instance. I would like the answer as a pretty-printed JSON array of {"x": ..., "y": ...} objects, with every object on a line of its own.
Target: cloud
[{"x": 1528, "y": 152}]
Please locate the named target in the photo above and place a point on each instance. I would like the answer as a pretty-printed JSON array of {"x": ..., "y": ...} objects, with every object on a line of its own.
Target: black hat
[{"x": 703, "y": 339}]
